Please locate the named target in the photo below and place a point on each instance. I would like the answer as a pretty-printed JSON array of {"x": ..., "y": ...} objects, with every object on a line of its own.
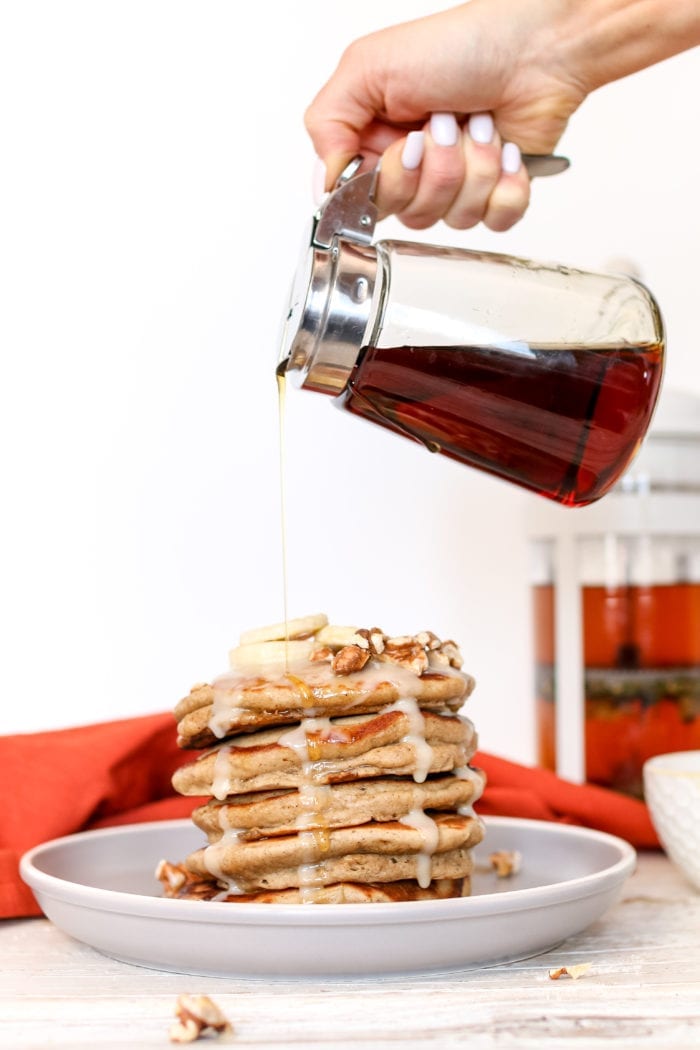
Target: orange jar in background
[{"x": 616, "y": 615}]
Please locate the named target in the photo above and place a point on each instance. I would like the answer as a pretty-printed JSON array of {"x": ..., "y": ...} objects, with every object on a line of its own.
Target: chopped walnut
[
  {"x": 400, "y": 640},
  {"x": 451, "y": 651},
  {"x": 574, "y": 972},
  {"x": 349, "y": 659},
  {"x": 376, "y": 641},
  {"x": 429, "y": 640},
  {"x": 320, "y": 654},
  {"x": 406, "y": 652},
  {"x": 172, "y": 877},
  {"x": 505, "y": 862},
  {"x": 418, "y": 653},
  {"x": 195, "y": 1014}
]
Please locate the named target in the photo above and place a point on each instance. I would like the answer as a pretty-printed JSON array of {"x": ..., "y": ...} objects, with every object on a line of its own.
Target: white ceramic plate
[{"x": 99, "y": 887}]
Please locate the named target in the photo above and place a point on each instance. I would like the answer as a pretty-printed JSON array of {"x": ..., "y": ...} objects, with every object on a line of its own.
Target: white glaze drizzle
[
  {"x": 417, "y": 818},
  {"x": 211, "y": 859},
  {"x": 221, "y": 780},
  {"x": 477, "y": 782},
  {"x": 415, "y": 736}
]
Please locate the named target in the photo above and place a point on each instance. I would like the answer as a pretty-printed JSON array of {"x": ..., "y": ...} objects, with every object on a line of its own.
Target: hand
[{"x": 446, "y": 102}]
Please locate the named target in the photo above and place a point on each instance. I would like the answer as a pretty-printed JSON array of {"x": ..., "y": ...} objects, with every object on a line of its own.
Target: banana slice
[
  {"x": 270, "y": 657},
  {"x": 275, "y": 632},
  {"x": 336, "y": 637}
]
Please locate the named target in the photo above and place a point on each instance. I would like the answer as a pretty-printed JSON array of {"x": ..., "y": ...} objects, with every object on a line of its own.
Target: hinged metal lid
[{"x": 331, "y": 300}]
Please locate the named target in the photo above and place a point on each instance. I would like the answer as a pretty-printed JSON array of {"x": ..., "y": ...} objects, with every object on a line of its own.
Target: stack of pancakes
[{"x": 339, "y": 770}]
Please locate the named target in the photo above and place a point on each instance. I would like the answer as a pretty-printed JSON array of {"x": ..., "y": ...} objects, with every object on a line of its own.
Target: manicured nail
[
  {"x": 412, "y": 153},
  {"x": 481, "y": 127},
  {"x": 444, "y": 129},
  {"x": 318, "y": 181},
  {"x": 510, "y": 158}
]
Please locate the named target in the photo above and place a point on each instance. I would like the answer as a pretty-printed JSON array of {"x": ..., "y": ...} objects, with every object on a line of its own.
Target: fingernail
[
  {"x": 481, "y": 127},
  {"x": 412, "y": 153},
  {"x": 510, "y": 158},
  {"x": 444, "y": 129},
  {"x": 318, "y": 181}
]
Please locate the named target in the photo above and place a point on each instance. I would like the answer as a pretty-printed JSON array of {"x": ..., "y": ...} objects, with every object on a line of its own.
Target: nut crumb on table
[
  {"x": 570, "y": 971},
  {"x": 195, "y": 1014}
]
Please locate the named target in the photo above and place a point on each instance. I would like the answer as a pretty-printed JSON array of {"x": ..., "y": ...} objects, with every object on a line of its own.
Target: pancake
[
  {"x": 400, "y": 740},
  {"x": 235, "y": 703},
  {"x": 178, "y": 883},
  {"x": 382, "y": 851},
  {"x": 271, "y": 813},
  {"x": 354, "y": 867}
]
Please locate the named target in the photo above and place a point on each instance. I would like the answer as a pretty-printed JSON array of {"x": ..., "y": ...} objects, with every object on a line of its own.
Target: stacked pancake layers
[{"x": 338, "y": 770}]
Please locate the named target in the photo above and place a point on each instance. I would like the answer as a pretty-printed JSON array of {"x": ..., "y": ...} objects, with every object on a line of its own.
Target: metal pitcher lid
[{"x": 331, "y": 298}]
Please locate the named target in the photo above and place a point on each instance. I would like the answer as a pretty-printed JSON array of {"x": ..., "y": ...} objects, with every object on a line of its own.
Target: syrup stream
[{"x": 281, "y": 374}]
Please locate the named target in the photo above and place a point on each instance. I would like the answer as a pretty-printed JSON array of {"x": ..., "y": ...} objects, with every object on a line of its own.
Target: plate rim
[{"x": 388, "y": 913}]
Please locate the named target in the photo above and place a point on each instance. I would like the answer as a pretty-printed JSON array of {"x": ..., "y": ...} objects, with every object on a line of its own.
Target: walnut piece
[
  {"x": 406, "y": 652},
  {"x": 349, "y": 659},
  {"x": 172, "y": 877},
  {"x": 195, "y": 1014},
  {"x": 505, "y": 862},
  {"x": 320, "y": 654},
  {"x": 574, "y": 972},
  {"x": 450, "y": 649},
  {"x": 429, "y": 640}
]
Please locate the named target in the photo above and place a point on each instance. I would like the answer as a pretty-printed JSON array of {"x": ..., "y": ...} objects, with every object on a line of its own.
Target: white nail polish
[
  {"x": 481, "y": 128},
  {"x": 510, "y": 158},
  {"x": 444, "y": 129},
  {"x": 318, "y": 181},
  {"x": 412, "y": 153}
]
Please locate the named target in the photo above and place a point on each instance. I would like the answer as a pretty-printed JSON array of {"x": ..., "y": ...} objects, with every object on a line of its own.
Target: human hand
[{"x": 447, "y": 102}]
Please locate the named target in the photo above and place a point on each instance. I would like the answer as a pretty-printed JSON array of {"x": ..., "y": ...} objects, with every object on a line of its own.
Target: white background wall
[{"x": 155, "y": 183}]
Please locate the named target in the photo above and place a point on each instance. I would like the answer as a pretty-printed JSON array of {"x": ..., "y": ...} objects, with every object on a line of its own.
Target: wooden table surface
[{"x": 642, "y": 990}]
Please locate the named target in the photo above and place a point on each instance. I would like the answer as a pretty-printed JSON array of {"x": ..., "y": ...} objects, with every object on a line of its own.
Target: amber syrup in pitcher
[{"x": 562, "y": 421}]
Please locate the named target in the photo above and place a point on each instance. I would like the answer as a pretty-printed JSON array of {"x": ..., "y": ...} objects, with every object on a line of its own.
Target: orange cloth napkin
[{"x": 68, "y": 780}]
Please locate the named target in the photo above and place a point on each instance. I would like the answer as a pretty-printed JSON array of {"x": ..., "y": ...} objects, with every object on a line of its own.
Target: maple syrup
[
  {"x": 563, "y": 422},
  {"x": 281, "y": 398}
]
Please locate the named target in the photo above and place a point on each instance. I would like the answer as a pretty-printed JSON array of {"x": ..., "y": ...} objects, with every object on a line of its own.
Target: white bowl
[{"x": 672, "y": 792}]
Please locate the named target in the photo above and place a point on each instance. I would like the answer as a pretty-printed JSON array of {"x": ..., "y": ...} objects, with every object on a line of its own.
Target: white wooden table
[{"x": 643, "y": 990}]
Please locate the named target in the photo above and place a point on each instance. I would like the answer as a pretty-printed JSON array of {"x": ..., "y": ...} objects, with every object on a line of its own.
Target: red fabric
[
  {"x": 60, "y": 782},
  {"x": 537, "y": 794}
]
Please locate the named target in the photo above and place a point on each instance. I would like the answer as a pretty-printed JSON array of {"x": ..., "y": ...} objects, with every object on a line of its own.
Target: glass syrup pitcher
[{"x": 540, "y": 374}]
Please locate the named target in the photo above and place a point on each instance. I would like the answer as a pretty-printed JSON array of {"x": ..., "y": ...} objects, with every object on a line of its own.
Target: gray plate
[{"x": 99, "y": 887}]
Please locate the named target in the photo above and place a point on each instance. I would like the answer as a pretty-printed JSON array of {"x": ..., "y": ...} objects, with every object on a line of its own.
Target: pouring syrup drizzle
[{"x": 281, "y": 375}]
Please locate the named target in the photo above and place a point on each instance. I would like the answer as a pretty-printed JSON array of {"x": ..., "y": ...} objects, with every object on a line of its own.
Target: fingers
[
  {"x": 511, "y": 195},
  {"x": 421, "y": 174},
  {"x": 461, "y": 175}
]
